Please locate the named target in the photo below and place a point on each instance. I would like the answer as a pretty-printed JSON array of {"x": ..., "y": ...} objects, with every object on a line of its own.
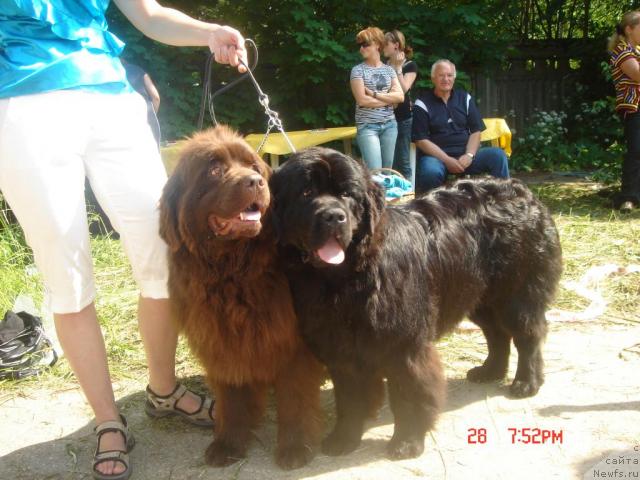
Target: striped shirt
[
  {"x": 627, "y": 90},
  {"x": 376, "y": 79}
]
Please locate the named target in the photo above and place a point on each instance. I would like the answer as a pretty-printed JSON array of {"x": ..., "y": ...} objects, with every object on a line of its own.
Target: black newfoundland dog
[{"x": 375, "y": 286}]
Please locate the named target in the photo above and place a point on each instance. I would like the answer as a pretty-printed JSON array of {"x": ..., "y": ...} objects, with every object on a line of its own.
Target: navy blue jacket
[{"x": 449, "y": 124}]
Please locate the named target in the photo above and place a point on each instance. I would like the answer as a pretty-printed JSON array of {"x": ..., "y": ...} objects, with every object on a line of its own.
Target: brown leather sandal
[
  {"x": 113, "y": 455},
  {"x": 161, "y": 406}
]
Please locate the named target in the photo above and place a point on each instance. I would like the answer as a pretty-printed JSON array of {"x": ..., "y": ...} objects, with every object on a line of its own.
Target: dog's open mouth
[
  {"x": 331, "y": 252},
  {"x": 246, "y": 223}
]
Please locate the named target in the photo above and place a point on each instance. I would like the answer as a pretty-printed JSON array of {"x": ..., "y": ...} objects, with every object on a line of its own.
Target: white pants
[{"x": 48, "y": 144}]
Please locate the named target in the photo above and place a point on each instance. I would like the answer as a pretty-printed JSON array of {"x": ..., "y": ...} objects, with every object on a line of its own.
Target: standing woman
[
  {"x": 376, "y": 89},
  {"x": 67, "y": 111},
  {"x": 399, "y": 58},
  {"x": 625, "y": 66}
]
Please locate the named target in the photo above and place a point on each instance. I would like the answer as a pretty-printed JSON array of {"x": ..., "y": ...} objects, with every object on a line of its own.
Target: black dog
[{"x": 373, "y": 287}]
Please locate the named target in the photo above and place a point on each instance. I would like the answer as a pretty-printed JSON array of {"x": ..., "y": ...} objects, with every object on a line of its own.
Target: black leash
[{"x": 209, "y": 98}]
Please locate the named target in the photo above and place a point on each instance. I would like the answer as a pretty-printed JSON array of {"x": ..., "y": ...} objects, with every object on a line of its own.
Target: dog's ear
[
  {"x": 172, "y": 228},
  {"x": 374, "y": 205},
  {"x": 169, "y": 211}
]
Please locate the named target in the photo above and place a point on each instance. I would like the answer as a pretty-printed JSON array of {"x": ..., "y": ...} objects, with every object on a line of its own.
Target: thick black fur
[{"x": 486, "y": 249}]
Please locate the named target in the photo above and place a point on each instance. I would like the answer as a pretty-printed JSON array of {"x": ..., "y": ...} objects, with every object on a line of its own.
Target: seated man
[{"x": 446, "y": 130}]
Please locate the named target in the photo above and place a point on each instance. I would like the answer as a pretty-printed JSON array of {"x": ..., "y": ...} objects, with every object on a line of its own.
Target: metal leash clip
[
  {"x": 272, "y": 115},
  {"x": 273, "y": 120}
]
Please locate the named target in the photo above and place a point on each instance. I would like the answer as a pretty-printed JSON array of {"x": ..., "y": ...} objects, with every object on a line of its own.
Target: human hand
[
  {"x": 465, "y": 160},
  {"x": 397, "y": 60},
  {"x": 454, "y": 165},
  {"x": 227, "y": 46}
]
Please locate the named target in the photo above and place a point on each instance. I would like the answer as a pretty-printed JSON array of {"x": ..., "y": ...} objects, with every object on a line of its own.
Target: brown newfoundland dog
[
  {"x": 375, "y": 286},
  {"x": 232, "y": 301}
]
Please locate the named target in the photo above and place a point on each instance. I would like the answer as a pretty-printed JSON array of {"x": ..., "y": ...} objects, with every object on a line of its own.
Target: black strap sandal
[
  {"x": 113, "y": 455},
  {"x": 161, "y": 406}
]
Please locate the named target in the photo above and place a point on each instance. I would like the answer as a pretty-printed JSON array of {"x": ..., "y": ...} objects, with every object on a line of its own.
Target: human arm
[
  {"x": 360, "y": 96},
  {"x": 407, "y": 79},
  {"x": 393, "y": 96},
  {"x": 173, "y": 27},
  {"x": 631, "y": 68},
  {"x": 152, "y": 91},
  {"x": 473, "y": 144},
  {"x": 476, "y": 125},
  {"x": 421, "y": 136}
]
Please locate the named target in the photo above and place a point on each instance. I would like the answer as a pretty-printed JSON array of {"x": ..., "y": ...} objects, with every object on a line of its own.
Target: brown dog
[{"x": 232, "y": 301}]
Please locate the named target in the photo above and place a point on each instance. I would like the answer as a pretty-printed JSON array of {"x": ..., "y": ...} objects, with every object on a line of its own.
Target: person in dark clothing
[
  {"x": 446, "y": 129},
  {"x": 399, "y": 58},
  {"x": 142, "y": 83}
]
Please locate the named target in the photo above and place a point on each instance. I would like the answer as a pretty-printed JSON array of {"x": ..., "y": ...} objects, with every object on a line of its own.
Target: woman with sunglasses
[
  {"x": 399, "y": 56},
  {"x": 376, "y": 90}
]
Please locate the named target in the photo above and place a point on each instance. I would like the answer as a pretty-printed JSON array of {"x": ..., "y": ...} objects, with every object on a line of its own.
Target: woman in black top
[{"x": 399, "y": 58}]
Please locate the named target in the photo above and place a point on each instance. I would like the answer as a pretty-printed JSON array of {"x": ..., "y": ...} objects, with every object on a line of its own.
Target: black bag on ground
[{"x": 24, "y": 348}]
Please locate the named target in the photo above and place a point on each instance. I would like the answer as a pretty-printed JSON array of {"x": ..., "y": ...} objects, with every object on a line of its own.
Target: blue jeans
[
  {"x": 401, "y": 161},
  {"x": 377, "y": 142},
  {"x": 431, "y": 172}
]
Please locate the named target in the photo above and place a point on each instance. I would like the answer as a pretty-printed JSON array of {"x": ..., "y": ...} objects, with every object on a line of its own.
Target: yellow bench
[
  {"x": 497, "y": 132},
  {"x": 276, "y": 144}
]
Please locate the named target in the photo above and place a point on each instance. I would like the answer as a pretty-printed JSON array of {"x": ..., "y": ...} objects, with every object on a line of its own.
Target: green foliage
[
  {"x": 307, "y": 49},
  {"x": 589, "y": 138}
]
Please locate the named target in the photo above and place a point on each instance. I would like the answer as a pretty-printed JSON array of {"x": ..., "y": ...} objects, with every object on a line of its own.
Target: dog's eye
[
  {"x": 256, "y": 168},
  {"x": 345, "y": 194},
  {"x": 307, "y": 192},
  {"x": 216, "y": 171}
]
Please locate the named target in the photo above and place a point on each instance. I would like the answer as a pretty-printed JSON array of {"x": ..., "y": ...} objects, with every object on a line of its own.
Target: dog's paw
[
  {"x": 221, "y": 454},
  {"x": 522, "y": 389},
  {"x": 399, "y": 449},
  {"x": 337, "y": 444},
  {"x": 294, "y": 456},
  {"x": 484, "y": 374}
]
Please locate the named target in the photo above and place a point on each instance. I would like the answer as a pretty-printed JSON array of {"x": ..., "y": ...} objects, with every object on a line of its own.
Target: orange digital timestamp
[{"x": 526, "y": 436}]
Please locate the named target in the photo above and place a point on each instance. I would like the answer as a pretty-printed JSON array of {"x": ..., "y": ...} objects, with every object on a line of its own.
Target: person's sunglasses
[{"x": 363, "y": 44}]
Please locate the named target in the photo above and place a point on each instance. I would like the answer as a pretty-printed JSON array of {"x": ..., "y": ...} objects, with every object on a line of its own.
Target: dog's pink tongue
[{"x": 331, "y": 252}]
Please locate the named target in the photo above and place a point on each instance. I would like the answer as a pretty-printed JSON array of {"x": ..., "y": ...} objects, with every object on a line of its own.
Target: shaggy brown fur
[{"x": 232, "y": 301}]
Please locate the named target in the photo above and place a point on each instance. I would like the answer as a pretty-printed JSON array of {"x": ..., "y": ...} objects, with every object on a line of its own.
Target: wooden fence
[{"x": 538, "y": 76}]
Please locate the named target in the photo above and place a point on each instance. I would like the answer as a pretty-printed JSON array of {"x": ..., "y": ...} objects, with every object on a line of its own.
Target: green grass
[{"x": 591, "y": 233}]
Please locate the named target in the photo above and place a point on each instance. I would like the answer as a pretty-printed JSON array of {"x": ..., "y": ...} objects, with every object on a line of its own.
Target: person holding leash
[{"x": 67, "y": 111}]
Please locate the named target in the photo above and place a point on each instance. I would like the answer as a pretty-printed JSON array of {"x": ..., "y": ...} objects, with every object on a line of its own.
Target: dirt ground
[{"x": 589, "y": 408}]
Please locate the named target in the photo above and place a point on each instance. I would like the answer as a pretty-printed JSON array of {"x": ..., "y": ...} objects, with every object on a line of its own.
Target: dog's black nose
[
  {"x": 255, "y": 180},
  {"x": 334, "y": 215}
]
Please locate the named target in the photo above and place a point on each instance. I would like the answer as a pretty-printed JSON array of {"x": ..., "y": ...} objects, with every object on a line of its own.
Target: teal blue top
[{"x": 50, "y": 45}]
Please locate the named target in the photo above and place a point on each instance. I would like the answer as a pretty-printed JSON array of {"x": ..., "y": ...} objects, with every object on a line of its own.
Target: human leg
[
  {"x": 630, "y": 188},
  {"x": 368, "y": 140},
  {"x": 83, "y": 345},
  {"x": 124, "y": 153},
  {"x": 42, "y": 179},
  {"x": 401, "y": 161},
  {"x": 491, "y": 160},
  {"x": 388, "y": 136},
  {"x": 430, "y": 173}
]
